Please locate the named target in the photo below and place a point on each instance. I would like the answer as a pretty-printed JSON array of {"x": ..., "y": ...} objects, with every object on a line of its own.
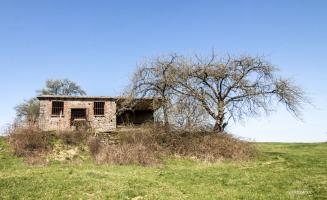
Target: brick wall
[{"x": 98, "y": 123}]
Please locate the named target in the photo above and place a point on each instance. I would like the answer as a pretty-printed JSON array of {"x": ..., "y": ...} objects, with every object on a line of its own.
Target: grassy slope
[{"x": 285, "y": 171}]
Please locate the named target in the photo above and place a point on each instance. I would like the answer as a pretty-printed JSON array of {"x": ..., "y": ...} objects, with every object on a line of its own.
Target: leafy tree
[
  {"x": 28, "y": 111},
  {"x": 62, "y": 87}
]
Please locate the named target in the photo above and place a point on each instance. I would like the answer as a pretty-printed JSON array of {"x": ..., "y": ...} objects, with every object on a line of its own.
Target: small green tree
[
  {"x": 62, "y": 87},
  {"x": 28, "y": 111}
]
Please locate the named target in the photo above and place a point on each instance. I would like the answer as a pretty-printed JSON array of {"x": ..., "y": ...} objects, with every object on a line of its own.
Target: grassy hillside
[{"x": 285, "y": 171}]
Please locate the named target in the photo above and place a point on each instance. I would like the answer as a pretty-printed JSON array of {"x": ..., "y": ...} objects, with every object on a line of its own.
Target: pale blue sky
[{"x": 99, "y": 43}]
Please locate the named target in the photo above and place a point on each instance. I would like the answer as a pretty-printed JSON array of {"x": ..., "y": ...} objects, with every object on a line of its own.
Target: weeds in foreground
[
  {"x": 28, "y": 141},
  {"x": 148, "y": 144},
  {"x": 143, "y": 146}
]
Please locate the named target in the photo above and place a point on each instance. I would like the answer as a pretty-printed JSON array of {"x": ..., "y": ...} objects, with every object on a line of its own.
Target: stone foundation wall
[{"x": 104, "y": 123}]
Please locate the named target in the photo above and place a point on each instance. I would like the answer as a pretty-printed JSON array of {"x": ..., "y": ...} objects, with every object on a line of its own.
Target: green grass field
[{"x": 284, "y": 171}]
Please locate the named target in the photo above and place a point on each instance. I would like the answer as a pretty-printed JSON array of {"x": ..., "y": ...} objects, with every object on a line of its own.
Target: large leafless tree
[
  {"x": 235, "y": 87},
  {"x": 154, "y": 79},
  {"x": 188, "y": 114}
]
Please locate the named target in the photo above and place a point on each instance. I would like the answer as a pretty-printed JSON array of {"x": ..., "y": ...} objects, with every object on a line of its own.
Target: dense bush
[
  {"x": 205, "y": 145},
  {"x": 73, "y": 137},
  {"x": 145, "y": 145},
  {"x": 29, "y": 141},
  {"x": 94, "y": 145},
  {"x": 123, "y": 154}
]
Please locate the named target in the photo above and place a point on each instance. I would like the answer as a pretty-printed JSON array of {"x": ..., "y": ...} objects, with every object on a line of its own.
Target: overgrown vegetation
[
  {"x": 149, "y": 144},
  {"x": 284, "y": 171},
  {"x": 37, "y": 146},
  {"x": 126, "y": 154},
  {"x": 28, "y": 141},
  {"x": 146, "y": 145},
  {"x": 73, "y": 137}
]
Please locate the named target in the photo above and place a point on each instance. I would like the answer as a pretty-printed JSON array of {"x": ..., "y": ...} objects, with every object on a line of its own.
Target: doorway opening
[{"x": 77, "y": 115}]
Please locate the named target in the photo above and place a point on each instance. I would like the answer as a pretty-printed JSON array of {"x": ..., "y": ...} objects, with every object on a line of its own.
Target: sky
[{"x": 98, "y": 44}]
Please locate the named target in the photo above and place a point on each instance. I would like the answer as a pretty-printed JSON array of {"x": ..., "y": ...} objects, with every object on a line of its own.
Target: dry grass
[
  {"x": 36, "y": 145},
  {"x": 147, "y": 144},
  {"x": 133, "y": 149},
  {"x": 28, "y": 141},
  {"x": 73, "y": 137},
  {"x": 285, "y": 171},
  {"x": 143, "y": 146},
  {"x": 126, "y": 154},
  {"x": 94, "y": 144},
  {"x": 210, "y": 146},
  {"x": 36, "y": 160}
]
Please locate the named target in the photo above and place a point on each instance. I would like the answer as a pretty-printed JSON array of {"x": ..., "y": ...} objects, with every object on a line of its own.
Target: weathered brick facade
[{"x": 99, "y": 123}]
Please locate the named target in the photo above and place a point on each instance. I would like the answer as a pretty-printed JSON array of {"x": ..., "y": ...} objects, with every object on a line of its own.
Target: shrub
[
  {"x": 124, "y": 154},
  {"x": 144, "y": 146},
  {"x": 73, "y": 137},
  {"x": 94, "y": 145},
  {"x": 29, "y": 140},
  {"x": 205, "y": 145}
]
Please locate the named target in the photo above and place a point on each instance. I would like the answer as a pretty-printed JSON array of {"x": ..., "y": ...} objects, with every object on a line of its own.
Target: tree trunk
[
  {"x": 219, "y": 125},
  {"x": 165, "y": 115}
]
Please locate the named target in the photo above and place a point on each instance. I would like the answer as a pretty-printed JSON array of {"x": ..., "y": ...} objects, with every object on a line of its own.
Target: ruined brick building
[{"x": 100, "y": 113}]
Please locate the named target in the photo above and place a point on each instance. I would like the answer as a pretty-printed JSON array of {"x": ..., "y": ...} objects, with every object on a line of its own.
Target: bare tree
[
  {"x": 235, "y": 87},
  {"x": 187, "y": 113},
  {"x": 154, "y": 79},
  {"x": 62, "y": 87}
]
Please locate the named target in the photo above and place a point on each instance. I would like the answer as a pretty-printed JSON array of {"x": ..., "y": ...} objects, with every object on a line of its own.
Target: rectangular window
[
  {"x": 57, "y": 108},
  {"x": 99, "y": 108}
]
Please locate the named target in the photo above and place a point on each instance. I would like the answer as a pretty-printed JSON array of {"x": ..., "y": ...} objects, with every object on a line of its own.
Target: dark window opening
[
  {"x": 135, "y": 117},
  {"x": 78, "y": 114},
  {"x": 57, "y": 108},
  {"x": 98, "y": 108}
]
